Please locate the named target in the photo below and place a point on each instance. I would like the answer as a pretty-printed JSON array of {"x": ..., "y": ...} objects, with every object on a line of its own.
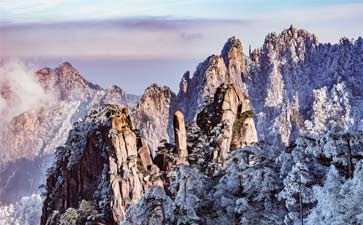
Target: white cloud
[{"x": 19, "y": 91}]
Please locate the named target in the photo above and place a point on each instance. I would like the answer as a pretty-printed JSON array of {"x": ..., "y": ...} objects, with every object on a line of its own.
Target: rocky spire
[
  {"x": 209, "y": 75},
  {"x": 233, "y": 57},
  {"x": 104, "y": 162},
  {"x": 154, "y": 115},
  {"x": 221, "y": 122},
  {"x": 184, "y": 84},
  {"x": 180, "y": 136}
]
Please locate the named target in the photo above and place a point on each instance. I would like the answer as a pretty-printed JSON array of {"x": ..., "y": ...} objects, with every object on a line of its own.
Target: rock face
[
  {"x": 221, "y": 121},
  {"x": 244, "y": 132},
  {"x": 103, "y": 162},
  {"x": 209, "y": 75},
  {"x": 154, "y": 115},
  {"x": 180, "y": 136},
  {"x": 226, "y": 102}
]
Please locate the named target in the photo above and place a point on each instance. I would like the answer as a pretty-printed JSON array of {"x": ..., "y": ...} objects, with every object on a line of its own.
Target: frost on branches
[
  {"x": 313, "y": 181},
  {"x": 27, "y": 211}
]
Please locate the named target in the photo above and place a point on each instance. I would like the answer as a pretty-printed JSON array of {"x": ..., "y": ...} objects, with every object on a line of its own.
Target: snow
[
  {"x": 265, "y": 184},
  {"x": 25, "y": 212}
]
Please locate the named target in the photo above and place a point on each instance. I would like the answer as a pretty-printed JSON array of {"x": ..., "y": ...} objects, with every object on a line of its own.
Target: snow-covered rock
[
  {"x": 298, "y": 86},
  {"x": 154, "y": 115},
  {"x": 99, "y": 164}
]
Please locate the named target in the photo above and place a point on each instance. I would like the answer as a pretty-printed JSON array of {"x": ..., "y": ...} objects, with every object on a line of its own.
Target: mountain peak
[
  {"x": 66, "y": 64},
  {"x": 66, "y": 69},
  {"x": 231, "y": 49},
  {"x": 115, "y": 88},
  {"x": 64, "y": 78},
  {"x": 157, "y": 89},
  {"x": 153, "y": 114},
  {"x": 291, "y": 35}
]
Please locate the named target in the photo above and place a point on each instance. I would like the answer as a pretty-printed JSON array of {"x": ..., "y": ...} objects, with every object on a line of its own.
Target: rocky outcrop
[
  {"x": 215, "y": 70},
  {"x": 103, "y": 162},
  {"x": 227, "y": 103},
  {"x": 244, "y": 130},
  {"x": 221, "y": 121},
  {"x": 154, "y": 115},
  {"x": 180, "y": 136},
  {"x": 234, "y": 60}
]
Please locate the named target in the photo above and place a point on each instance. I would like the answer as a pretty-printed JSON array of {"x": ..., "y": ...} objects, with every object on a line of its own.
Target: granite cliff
[{"x": 106, "y": 162}]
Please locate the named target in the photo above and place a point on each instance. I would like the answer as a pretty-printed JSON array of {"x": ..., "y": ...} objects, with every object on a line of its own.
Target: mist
[{"x": 19, "y": 90}]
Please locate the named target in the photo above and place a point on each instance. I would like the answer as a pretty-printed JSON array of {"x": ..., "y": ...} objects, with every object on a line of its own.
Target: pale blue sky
[{"x": 113, "y": 36}]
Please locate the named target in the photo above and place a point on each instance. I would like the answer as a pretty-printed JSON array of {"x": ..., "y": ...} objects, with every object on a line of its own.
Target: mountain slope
[
  {"x": 295, "y": 85},
  {"x": 300, "y": 86},
  {"x": 35, "y": 134}
]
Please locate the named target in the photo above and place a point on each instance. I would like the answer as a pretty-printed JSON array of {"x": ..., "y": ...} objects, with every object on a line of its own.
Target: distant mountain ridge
[{"x": 295, "y": 85}]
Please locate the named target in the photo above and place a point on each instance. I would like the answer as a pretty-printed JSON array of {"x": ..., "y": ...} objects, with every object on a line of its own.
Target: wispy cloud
[
  {"x": 152, "y": 37},
  {"x": 191, "y": 36},
  {"x": 161, "y": 36},
  {"x": 20, "y": 92}
]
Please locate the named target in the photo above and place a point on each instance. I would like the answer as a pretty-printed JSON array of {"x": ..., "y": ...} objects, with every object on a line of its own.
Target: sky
[{"x": 133, "y": 43}]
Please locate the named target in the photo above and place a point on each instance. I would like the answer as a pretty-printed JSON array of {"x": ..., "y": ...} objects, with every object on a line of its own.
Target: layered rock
[
  {"x": 103, "y": 162},
  {"x": 154, "y": 115}
]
